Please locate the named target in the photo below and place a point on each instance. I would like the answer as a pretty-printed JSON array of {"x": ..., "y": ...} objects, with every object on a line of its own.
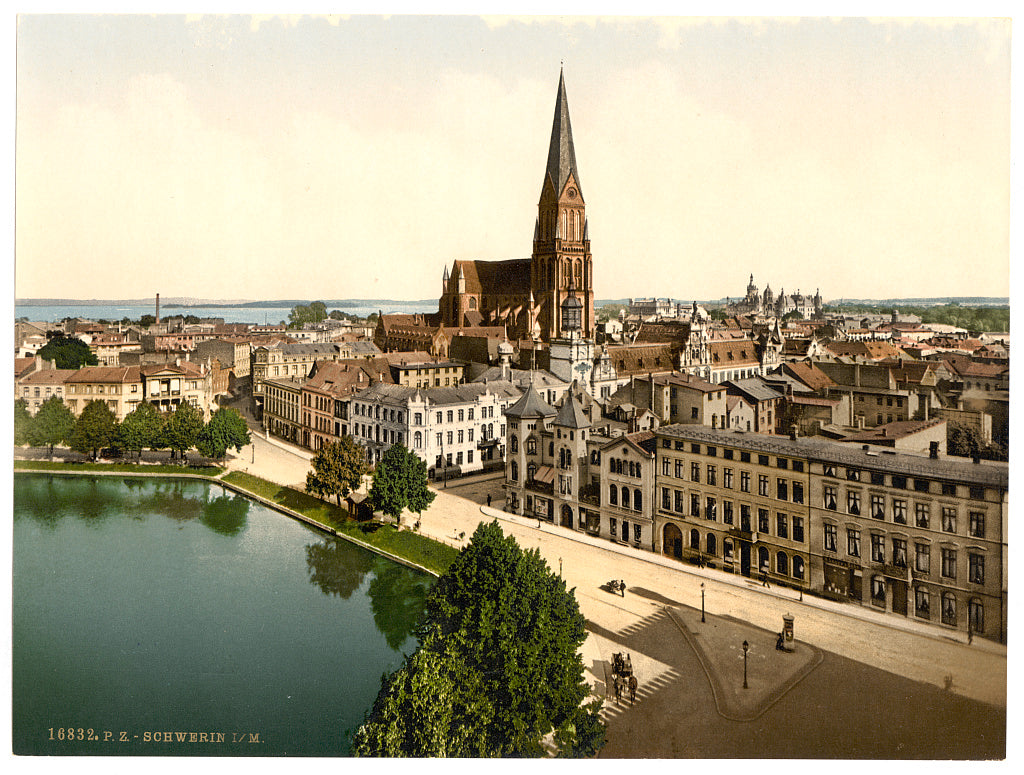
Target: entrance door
[
  {"x": 566, "y": 516},
  {"x": 899, "y": 596},
  {"x": 672, "y": 541},
  {"x": 744, "y": 558}
]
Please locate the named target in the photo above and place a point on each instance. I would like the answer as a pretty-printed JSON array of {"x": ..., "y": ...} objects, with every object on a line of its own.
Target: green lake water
[{"x": 148, "y": 609}]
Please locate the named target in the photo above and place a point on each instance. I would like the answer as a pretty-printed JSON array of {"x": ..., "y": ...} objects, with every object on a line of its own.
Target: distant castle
[{"x": 768, "y": 304}]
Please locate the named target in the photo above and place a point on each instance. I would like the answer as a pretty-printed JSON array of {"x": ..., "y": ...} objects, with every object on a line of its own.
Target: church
[{"x": 526, "y": 295}]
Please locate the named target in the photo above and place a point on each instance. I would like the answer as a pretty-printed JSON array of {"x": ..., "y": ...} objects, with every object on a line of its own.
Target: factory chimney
[{"x": 158, "y": 309}]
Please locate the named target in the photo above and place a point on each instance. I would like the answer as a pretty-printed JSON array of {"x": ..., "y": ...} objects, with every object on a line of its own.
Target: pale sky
[{"x": 227, "y": 157}]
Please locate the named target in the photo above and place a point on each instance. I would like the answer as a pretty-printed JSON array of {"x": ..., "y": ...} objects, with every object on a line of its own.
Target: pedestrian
[
  {"x": 764, "y": 580},
  {"x": 778, "y": 642},
  {"x": 488, "y": 500},
  {"x": 632, "y": 689},
  {"x": 622, "y": 587}
]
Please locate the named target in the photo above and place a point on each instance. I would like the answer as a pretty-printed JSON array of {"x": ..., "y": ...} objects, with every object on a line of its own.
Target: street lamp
[
  {"x": 746, "y": 646},
  {"x": 702, "y": 602}
]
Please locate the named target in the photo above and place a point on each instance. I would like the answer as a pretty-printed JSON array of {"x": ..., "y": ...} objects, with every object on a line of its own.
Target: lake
[{"x": 162, "y": 616}]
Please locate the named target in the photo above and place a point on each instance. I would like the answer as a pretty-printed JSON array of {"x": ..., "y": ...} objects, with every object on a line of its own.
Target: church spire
[{"x": 561, "y": 154}]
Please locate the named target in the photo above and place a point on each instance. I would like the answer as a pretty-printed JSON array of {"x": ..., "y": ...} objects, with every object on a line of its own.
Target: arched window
[
  {"x": 613, "y": 495},
  {"x": 417, "y": 439},
  {"x": 762, "y": 559},
  {"x": 712, "y": 544},
  {"x": 798, "y": 567},
  {"x": 948, "y": 609},
  {"x": 637, "y": 500},
  {"x": 513, "y": 443},
  {"x": 695, "y": 539},
  {"x": 531, "y": 471},
  {"x": 514, "y": 471},
  {"x": 625, "y": 497},
  {"x": 782, "y": 564},
  {"x": 472, "y": 302}
]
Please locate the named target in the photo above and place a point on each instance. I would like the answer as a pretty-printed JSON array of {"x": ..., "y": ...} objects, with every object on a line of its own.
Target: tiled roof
[
  {"x": 505, "y": 278},
  {"x": 531, "y": 405},
  {"x": 106, "y": 374}
]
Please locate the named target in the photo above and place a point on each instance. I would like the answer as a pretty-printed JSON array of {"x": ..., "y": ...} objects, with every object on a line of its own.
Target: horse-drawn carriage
[{"x": 622, "y": 676}]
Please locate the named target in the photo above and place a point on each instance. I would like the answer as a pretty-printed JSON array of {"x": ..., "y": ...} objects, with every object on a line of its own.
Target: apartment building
[
  {"x": 916, "y": 536},
  {"x": 121, "y": 387}
]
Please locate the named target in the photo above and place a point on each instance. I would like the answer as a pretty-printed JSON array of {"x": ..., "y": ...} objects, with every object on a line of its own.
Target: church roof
[
  {"x": 561, "y": 154},
  {"x": 504, "y": 278}
]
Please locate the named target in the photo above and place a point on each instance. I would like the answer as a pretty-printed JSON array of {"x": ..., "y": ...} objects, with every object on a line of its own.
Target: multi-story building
[
  {"x": 281, "y": 407},
  {"x": 916, "y": 536},
  {"x": 677, "y": 397},
  {"x": 121, "y": 387},
  {"x": 167, "y": 385},
  {"x": 37, "y": 386},
  {"x": 455, "y": 429},
  {"x": 233, "y": 352},
  {"x": 289, "y": 360},
  {"x": 428, "y": 374}
]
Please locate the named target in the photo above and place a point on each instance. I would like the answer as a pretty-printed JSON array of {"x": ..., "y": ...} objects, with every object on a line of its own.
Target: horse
[{"x": 632, "y": 689}]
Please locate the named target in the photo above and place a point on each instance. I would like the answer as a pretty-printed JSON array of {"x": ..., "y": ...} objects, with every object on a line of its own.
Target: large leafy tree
[
  {"x": 22, "y": 422},
  {"x": 95, "y": 429},
  {"x": 53, "y": 424},
  {"x": 400, "y": 482},
  {"x": 225, "y": 429},
  {"x": 182, "y": 428},
  {"x": 142, "y": 428},
  {"x": 498, "y": 666},
  {"x": 338, "y": 469},
  {"x": 302, "y": 314},
  {"x": 67, "y": 352}
]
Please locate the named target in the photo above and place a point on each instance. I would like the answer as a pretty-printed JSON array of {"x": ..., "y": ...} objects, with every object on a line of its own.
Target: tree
[
  {"x": 498, "y": 666},
  {"x": 338, "y": 469},
  {"x": 53, "y": 424},
  {"x": 67, "y": 352},
  {"x": 225, "y": 429},
  {"x": 182, "y": 428},
  {"x": 142, "y": 428},
  {"x": 22, "y": 422},
  {"x": 302, "y": 314},
  {"x": 95, "y": 429},
  {"x": 400, "y": 482}
]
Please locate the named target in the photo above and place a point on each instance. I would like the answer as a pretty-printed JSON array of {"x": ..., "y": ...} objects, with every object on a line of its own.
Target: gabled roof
[
  {"x": 570, "y": 414},
  {"x": 810, "y": 375},
  {"x": 503, "y": 278},
  {"x": 754, "y": 388}
]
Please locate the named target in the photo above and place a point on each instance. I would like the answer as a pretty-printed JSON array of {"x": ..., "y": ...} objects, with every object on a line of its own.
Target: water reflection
[
  {"x": 397, "y": 596},
  {"x": 226, "y": 514},
  {"x": 337, "y": 568}
]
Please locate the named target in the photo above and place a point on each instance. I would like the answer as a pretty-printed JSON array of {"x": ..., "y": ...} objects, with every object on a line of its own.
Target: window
[
  {"x": 711, "y": 475},
  {"x": 450, "y": 436},
  {"x": 666, "y": 499},
  {"x": 853, "y": 502},
  {"x": 744, "y": 457},
  {"x": 695, "y": 449},
  {"x": 798, "y": 492},
  {"x": 949, "y": 489},
  {"x": 798, "y": 567},
  {"x": 762, "y": 520},
  {"x": 977, "y": 524},
  {"x": 531, "y": 446},
  {"x": 877, "y": 547},
  {"x": 462, "y": 436},
  {"x": 762, "y": 460},
  {"x": 782, "y": 489},
  {"x": 781, "y": 462},
  {"x": 513, "y": 444},
  {"x": 922, "y": 558},
  {"x": 877, "y": 478},
  {"x": 636, "y": 532},
  {"x": 829, "y": 470},
  {"x": 948, "y": 609},
  {"x": 782, "y": 564},
  {"x": 948, "y": 519},
  {"x": 727, "y": 513},
  {"x": 899, "y": 482},
  {"x": 878, "y": 591},
  {"x": 664, "y": 466},
  {"x": 613, "y": 526},
  {"x": 781, "y": 526},
  {"x": 727, "y": 478},
  {"x": 637, "y": 503},
  {"x": 514, "y": 471},
  {"x": 976, "y": 615},
  {"x": 798, "y": 529},
  {"x": 727, "y": 454},
  {"x": 679, "y": 469},
  {"x": 949, "y": 563},
  {"x": 922, "y": 485},
  {"x": 710, "y": 508},
  {"x": 693, "y": 413},
  {"x": 694, "y": 504},
  {"x": 762, "y": 559},
  {"x": 830, "y": 497},
  {"x": 462, "y": 415},
  {"x": 694, "y": 472},
  {"x": 625, "y": 498},
  {"x": 976, "y": 568},
  {"x": 853, "y": 474},
  {"x": 853, "y": 542},
  {"x": 899, "y": 552},
  {"x": 680, "y": 502},
  {"x": 440, "y": 417},
  {"x": 922, "y": 603},
  {"x": 922, "y": 516},
  {"x": 878, "y": 506},
  {"x": 613, "y": 495},
  {"x": 744, "y": 517},
  {"x": 899, "y": 511},
  {"x": 744, "y": 481},
  {"x": 762, "y": 485},
  {"x": 470, "y": 415},
  {"x": 977, "y": 493}
]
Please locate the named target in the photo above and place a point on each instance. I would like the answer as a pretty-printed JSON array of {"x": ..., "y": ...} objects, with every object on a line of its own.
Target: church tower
[{"x": 561, "y": 245}]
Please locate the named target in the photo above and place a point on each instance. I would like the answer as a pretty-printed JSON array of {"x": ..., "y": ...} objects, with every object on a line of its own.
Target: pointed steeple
[{"x": 561, "y": 154}]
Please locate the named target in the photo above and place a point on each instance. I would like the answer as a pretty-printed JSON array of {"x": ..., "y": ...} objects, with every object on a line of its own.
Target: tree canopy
[
  {"x": 400, "y": 482},
  {"x": 142, "y": 428},
  {"x": 53, "y": 424},
  {"x": 68, "y": 353},
  {"x": 22, "y": 422},
  {"x": 182, "y": 428},
  {"x": 302, "y": 314},
  {"x": 95, "y": 429},
  {"x": 338, "y": 469},
  {"x": 497, "y": 668},
  {"x": 226, "y": 429}
]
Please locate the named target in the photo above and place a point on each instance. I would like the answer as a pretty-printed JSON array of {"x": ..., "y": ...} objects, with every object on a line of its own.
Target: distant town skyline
[{"x": 243, "y": 158}]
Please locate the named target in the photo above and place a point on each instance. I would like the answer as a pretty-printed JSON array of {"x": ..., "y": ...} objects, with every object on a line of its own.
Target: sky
[{"x": 237, "y": 157}]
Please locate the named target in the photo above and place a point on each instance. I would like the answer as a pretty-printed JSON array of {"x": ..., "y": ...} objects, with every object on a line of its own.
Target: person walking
[
  {"x": 488, "y": 500},
  {"x": 622, "y": 588},
  {"x": 632, "y": 689},
  {"x": 764, "y": 580}
]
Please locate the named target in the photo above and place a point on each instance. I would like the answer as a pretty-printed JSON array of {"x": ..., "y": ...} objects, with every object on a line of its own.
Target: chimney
[
  {"x": 933, "y": 450},
  {"x": 158, "y": 309},
  {"x": 977, "y": 457}
]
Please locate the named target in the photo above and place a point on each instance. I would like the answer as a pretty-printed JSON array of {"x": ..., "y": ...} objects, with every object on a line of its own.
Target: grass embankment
[
  {"x": 117, "y": 468},
  {"x": 407, "y": 544}
]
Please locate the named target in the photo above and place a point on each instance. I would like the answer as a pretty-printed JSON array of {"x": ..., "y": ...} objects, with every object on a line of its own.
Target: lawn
[{"x": 407, "y": 544}]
